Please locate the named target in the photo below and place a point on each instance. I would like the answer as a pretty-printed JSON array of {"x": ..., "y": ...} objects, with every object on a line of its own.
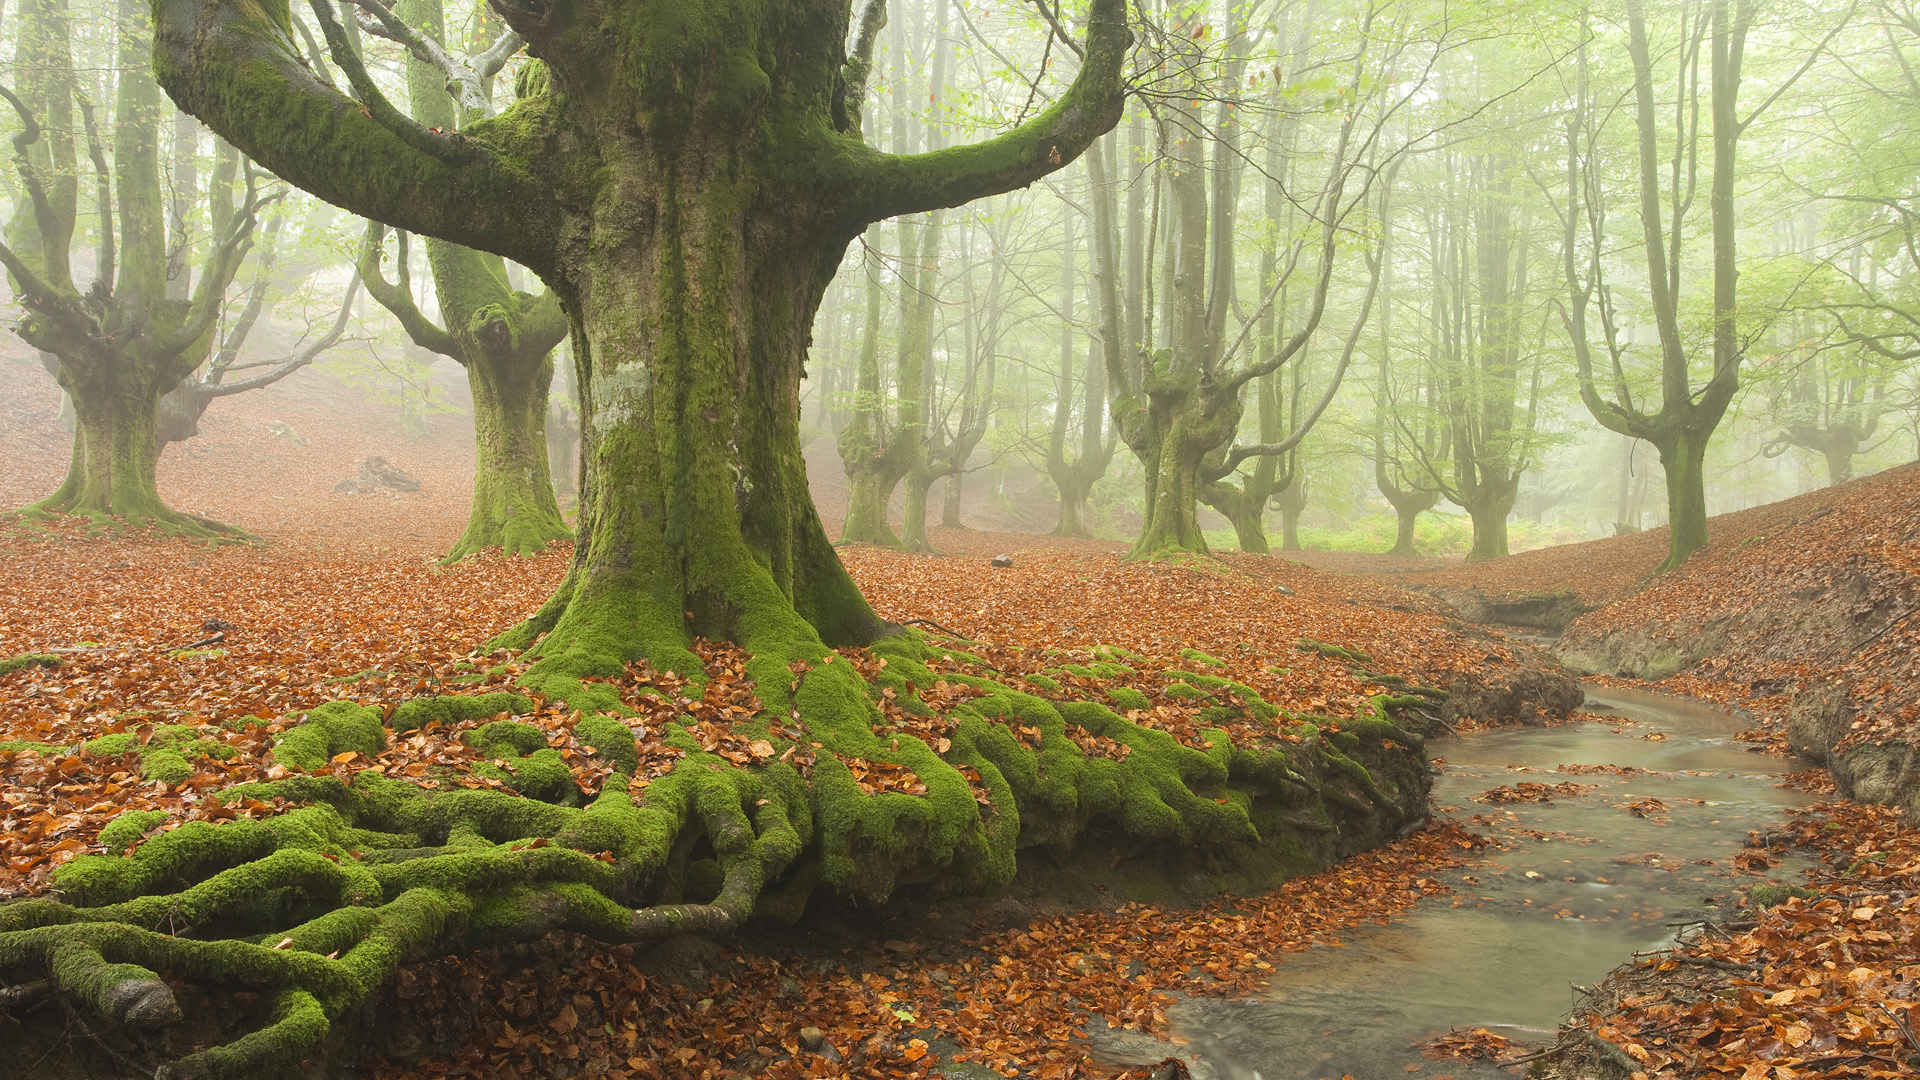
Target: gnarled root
[{"x": 318, "y": 907}]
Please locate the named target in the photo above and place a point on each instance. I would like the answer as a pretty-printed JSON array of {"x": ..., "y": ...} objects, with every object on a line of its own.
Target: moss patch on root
[{"x": 11, "y": 664}]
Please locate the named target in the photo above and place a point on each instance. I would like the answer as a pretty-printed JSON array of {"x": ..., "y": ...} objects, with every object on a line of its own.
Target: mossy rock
[{"x": 1199, "y": 657}]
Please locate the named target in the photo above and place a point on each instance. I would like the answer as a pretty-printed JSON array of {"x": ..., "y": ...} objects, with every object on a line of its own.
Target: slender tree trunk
[{"x": 950, "y": 500}]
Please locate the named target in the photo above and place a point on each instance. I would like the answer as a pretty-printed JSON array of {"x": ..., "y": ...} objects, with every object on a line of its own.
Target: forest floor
[{"x": 344, "y": 600}]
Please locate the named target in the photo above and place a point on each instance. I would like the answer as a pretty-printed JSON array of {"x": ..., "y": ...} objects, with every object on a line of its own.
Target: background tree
[
  {"x": 128, "y": 338},
  {"x": 502, "y": 336},
  {"x": 1687, "y": 415}
]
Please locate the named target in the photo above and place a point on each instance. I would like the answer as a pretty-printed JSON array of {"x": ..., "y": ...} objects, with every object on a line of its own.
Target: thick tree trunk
[
  {"x": 913, "y": 525},
  {"x": 1683, "y": 457},
  {"x": 513, "y": 503},
  {"x": 692, "y": 312},
  {"x": 1406, "y": 517},
  {"x": 950, "y": 500},
  {"x": 1250, "y": 531},
  {"x": 115, "y": 454},
  {"x": 1839, "y": 453},
  {"x": 1073, "y": 514},
  {"x": 1173, "y": 499},
  {"x": 1489, "y": 529},
  {"x": 866, "y": 522}
]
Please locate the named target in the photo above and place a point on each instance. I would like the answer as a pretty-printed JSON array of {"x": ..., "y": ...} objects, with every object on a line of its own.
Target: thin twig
[{"x": 931, "y": 625}]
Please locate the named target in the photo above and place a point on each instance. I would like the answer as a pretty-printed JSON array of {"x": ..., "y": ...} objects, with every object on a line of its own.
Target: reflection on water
[{"x": 1576, "y": 887}]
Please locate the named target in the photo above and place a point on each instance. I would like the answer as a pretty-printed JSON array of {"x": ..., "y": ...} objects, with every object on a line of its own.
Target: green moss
[
  {"x": 1199, "y": 657},
  {"x": 609, "y": 737},
  {"x": 11, "y": 664},
  {"x": 15, "y": 746},
  {"x": 333, "y": 728},
  {"x": 165, "y": 751},
  {"x": 452, "y": 710},
  {"x": 1186, "y": 690},
  {"x": 1125, "y": 697},
  {"x": 1335, "y": 652},
  {"x": 1765, "y": 896},
  {"x": 126, "y": 830},
  {"x": 1043, "y": 682}
]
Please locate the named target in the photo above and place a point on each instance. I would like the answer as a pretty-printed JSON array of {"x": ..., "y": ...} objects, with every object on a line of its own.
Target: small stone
[
  {"x": 1003, "y": 560},
  {"x": 1283, "y": 590},
  {"x": 812, "y": 1038}
]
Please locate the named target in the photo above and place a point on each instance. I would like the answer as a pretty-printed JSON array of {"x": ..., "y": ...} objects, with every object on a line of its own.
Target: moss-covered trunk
[
  {"x": 513, "y": 503},
  {"x": 950, "y": 500},
  {"x": 692, "y": 309},
  {"x": 1173, "y": 498},
  {"x": 913, "y": 523},
  {"x": 1683, "y": 457},
  {"x": 1839, "y": 451},
  {"x": 114, "y": 451},
  {"x": 1074, "y": 509},
  {"x": 866, "y": 523},
  {"x": 1489, "y": 529}
]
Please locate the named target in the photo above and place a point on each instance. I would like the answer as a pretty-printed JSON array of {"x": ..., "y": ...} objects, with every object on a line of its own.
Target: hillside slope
[{"x": 1805, "y": 611}]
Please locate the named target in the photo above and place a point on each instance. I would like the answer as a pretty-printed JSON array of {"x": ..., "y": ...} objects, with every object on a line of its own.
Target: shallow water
[{"x": 1576, "y": 887}]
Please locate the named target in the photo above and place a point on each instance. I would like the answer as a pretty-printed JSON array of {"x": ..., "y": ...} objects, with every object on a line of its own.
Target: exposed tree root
[
  {"x": 319, "y": 906},
  {"x": 138, "y": 516}
]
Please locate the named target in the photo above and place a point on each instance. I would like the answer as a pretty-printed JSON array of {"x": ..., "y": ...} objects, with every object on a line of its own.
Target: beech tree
[
  {"x": 1687, "y": 414},
  {"x": 503, "y": 337},
  {"x": 124, "y": 340},
  {"x": 1178, "y": 405}
]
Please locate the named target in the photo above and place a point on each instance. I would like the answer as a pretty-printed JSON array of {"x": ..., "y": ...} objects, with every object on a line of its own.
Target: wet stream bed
[{"x": 1571, "y": 888}]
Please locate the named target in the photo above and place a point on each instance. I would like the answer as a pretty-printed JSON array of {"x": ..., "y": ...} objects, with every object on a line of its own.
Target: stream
[{"x": 1571, "y": 889}]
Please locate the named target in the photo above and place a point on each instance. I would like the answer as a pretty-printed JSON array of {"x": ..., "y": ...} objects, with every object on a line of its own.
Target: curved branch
[
  {"x": 880, "y": 186},
  {"x": 303, "y": 357},
  {"x": 397, "y": 296},
  {"x": 46, "y": 218},
  {"x": 239, "y": 70},
  {"x": 103, "y": 182},
  {"x": 1374, "y": 262}
]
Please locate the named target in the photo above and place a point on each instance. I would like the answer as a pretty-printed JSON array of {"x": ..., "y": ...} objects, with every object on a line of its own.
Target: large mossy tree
[
  {"x": 122, "y": 342},
  {"x": 685, "y": 178}
]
